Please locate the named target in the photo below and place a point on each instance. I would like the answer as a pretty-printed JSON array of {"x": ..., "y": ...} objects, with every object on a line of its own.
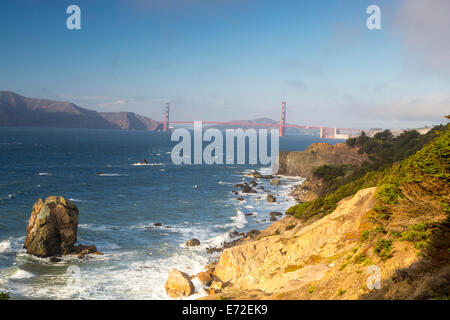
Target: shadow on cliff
[{"x": 429, "y": 278}]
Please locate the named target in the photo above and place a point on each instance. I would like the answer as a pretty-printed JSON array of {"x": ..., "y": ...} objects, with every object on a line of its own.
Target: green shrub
[
  {"x": 289, "y": 227},
  {"x": 365, "y": 235},
  {"x": 4, "y": 296},
  {"x": 360, "y": 258},
  {"x": 389, "y": 193},
  {"x": 312, "y": 288},
  {"x": 383, "y": 248},
  {"x": 380, "y": 229}
]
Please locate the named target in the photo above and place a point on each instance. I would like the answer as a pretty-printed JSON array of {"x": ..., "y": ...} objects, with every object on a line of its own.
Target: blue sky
[{"x": 235, "y": 59}]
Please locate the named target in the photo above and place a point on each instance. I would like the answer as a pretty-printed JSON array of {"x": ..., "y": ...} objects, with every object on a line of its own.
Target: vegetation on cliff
[{"x": 393, "y": 162}]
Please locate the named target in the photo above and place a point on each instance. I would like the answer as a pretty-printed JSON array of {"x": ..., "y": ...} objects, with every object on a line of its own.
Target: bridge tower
[
  {"x": 166, "y": 116},
  {"x": 283, "y": 119}
]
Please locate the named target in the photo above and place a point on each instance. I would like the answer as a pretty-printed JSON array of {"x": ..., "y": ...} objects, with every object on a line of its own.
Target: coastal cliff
[
  {"x": 302, "y": 163},
  {"x": 382, "y": 233}
]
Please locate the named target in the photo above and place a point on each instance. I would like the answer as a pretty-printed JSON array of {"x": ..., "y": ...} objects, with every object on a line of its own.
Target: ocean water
[{"x": 117, "y": 211}]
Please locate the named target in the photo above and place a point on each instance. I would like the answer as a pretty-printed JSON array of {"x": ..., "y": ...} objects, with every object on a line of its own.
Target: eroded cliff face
[
  {"x": 334, "y": 258},
  {"x": 276, "y": 263},
  {"x": 303, "y": 163}
]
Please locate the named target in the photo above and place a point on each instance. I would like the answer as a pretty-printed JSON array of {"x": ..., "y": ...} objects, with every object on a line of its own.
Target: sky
[{"x": 222, "y": 60}]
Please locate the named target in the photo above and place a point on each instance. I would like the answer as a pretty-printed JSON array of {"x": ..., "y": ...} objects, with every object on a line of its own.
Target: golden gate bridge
[{"x": 324, "y": 132}]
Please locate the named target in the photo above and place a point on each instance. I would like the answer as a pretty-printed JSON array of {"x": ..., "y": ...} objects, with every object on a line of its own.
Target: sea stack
[{"x": 52, "y": 228}]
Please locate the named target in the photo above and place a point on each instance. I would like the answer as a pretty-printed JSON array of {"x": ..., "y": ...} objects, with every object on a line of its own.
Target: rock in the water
[
  {"x": 271, "y": 198},
  {"x": 274, "y": 182},
  {"x": 240, "y": 199},
  {"x": 275, "y": 214},
  {"x": 179, "y": 284},
  {"x": 52, "y": 228},
  {"x": 252, "y": 183},
  {"x": 192, "y": 243},
  {"x": 247, "y": 189},
  {"x": 82, "y": 250},
  {"x": 158, "y": 224},
  {"x": 255, "y": 174},
  {"x": 273, "y": 219}
]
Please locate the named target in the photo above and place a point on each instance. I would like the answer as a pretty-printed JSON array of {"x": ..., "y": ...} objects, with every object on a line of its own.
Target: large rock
[
  {"x": 247, "y": 189},
  {"x": 52, "y": 228},
  {"x": 179, "y": 284},
  {"x": 271, "y": 198},
  {"x": 192, "y": 243},
  {"x": 303, "y": 163}
]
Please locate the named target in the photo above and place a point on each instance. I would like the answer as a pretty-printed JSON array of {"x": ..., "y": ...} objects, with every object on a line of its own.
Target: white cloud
[
  {"x": 424, "y": 27},
  {"x": 431, "y": 108}
]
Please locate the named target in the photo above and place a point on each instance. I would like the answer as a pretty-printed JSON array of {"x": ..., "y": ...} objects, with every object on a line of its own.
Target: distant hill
[
  {"x": 289, "y": 131},
  {"x": 19, "y": 111}
]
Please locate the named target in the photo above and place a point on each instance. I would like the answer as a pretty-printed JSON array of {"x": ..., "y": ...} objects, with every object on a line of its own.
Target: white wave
[
  {"x": 77, "y": 200},
  {"x": 112, "y": 175},
  {"x": 239, "y": 219},
  {"x": 148, "y": 164},
  {"x": 9, "y": 196},
  {"x": 21, "y": 274},
  {"x": 219, "y": 240},
  {"x": 43, "y": 174},
  {"x": 5, "y": 246}
]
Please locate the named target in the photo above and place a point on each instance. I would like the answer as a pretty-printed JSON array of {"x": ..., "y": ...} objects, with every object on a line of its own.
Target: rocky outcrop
[
  {"x": 179, "y": 284},
  {"x": 192, "y": 243},
  {"x": 52, "y": 228},
  {"x": 274, "y": 182},
  {"x": 303, "y": 163}
]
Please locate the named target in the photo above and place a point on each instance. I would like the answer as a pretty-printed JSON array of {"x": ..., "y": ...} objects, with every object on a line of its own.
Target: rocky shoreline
[
  {"x": 180, "y": 284},
  {"x": 298, "y": 164}
]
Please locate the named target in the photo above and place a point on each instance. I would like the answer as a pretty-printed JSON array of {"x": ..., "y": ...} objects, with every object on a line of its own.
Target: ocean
[{"x": 118, "y": 210}]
